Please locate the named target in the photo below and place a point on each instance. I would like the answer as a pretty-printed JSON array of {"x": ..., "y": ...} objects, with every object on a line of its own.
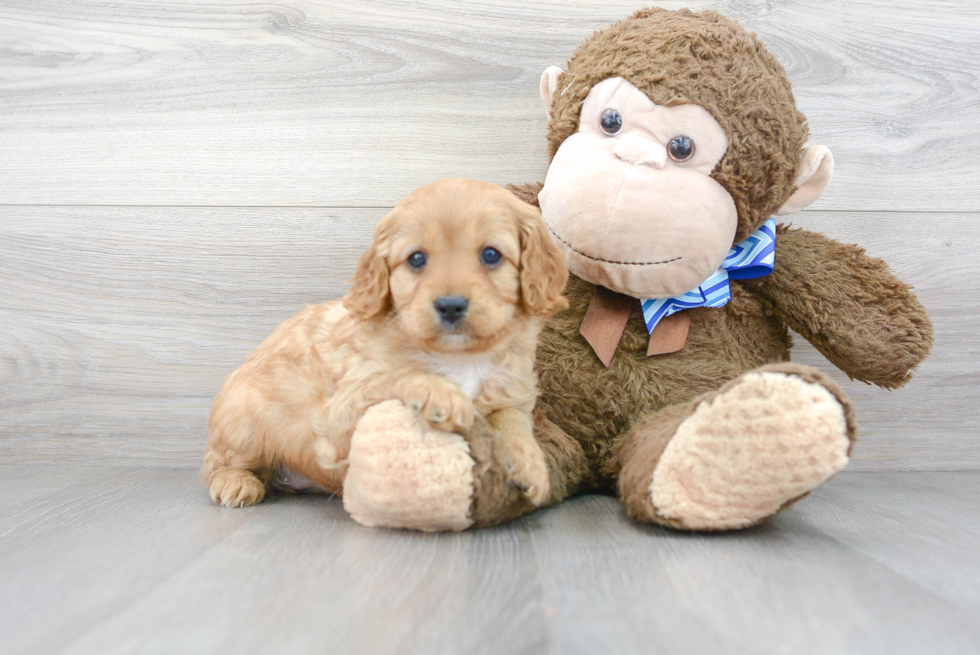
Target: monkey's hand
[{"x": 848, "y": 305}]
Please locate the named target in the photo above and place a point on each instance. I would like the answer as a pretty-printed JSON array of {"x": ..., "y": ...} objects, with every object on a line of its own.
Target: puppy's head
[{"x": 458, "y": 265}]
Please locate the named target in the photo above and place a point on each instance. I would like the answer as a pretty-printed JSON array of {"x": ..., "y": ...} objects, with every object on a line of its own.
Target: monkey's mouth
[{"x": 608, "y": 261}]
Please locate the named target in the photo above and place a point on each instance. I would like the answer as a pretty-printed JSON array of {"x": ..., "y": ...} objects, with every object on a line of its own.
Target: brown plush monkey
[{"x": 674, "y": 139}]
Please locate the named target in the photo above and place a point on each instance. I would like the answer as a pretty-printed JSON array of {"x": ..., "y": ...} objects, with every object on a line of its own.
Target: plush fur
[
  {"x": 724, "y": 432},
  {"x": 297, "y": 400},
  {"x": 702, "y": 58},
  {"x": 847, "y": 304},
  {"x": 413, "y": 477}
]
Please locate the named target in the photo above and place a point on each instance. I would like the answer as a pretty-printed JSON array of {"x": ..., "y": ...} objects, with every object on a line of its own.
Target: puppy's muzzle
[{"x": 451, "y": 309}]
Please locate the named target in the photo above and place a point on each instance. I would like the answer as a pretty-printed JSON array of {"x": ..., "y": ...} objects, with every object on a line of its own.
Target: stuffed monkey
[{"x": 674, "y": 139}]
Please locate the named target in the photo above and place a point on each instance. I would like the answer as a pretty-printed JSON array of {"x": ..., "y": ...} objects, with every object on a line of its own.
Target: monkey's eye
[
  {"x": 680, "y": 148},
  {"x": 490, "y": 256},
  {"x": 611, "y": 122},
  {"x": 417, "y": 260}
]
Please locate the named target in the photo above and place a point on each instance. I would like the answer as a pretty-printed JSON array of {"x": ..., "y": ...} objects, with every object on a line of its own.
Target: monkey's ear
[
  {"x": 816, "y": 169},
  {"x": 550, "y": 79},
  {"x": 543, "y": 270},
  {"x": 368, "y": 295}
]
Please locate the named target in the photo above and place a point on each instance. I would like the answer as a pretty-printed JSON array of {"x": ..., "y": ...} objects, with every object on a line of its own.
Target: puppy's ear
[
  {"x": 543, "y": 271},
  {"x": 368, "y": 295}
]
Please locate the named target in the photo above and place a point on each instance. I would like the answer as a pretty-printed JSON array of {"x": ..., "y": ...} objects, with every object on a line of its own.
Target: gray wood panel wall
[{"x": 176, "y": 178}]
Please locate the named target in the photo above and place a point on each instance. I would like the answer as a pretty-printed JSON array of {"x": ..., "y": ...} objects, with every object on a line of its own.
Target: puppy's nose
[{"x": 451, "y": 308}]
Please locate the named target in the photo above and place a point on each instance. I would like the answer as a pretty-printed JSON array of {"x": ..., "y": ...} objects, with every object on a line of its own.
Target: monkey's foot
[
  {"x": 761, "y": 442},
  {"x": 405, "y": 475}
]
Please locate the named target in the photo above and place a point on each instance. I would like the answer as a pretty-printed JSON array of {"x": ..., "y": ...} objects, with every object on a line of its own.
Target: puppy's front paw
[
  {"x": 437, "y": 400},
  {"x": 524, "y": 462}
]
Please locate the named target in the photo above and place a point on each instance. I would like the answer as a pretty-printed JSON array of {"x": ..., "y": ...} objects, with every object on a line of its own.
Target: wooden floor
[{"x": 137, "y": 560}]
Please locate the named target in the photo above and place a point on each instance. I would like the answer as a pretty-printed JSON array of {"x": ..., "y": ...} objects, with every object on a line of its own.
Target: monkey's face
[{"x": 630, "y": 198}]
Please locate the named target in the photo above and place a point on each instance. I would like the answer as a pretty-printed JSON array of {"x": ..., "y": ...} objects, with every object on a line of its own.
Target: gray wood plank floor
[{"x": 136, "y": 560}]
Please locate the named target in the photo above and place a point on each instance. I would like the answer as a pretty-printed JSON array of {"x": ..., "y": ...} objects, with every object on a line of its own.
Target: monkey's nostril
[{"x": 451, "y": 308}]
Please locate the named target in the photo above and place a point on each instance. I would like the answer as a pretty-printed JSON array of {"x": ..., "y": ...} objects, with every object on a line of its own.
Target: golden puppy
[{"x": 443, "y": 314}]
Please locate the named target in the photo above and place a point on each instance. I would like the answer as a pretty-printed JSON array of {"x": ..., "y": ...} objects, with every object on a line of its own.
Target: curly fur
[{"x": 297, "y": 400}]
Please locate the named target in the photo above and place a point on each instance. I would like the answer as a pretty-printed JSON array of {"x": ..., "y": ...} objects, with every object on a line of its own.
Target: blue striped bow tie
[{"x": 752, "y": 257}]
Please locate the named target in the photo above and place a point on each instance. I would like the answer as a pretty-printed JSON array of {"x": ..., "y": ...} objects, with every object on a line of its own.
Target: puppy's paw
[
  {"x": 524, "y": 462},
  {"x": 236, "y": 488},
  {"x": 437, "y": 400}
]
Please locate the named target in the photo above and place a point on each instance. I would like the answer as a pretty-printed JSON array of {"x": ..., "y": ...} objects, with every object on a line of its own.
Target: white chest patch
[{"x": 468, "y": 371}]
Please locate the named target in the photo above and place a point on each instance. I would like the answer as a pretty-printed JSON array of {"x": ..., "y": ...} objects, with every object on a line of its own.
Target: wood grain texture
[
  {"x": 119, "y": 324},
  {"x": 934, "y": 421},
  {"x": 354, "y": 104},
  {"x": 821, "y": 577},
  {"x": 135, "y": 560},
  {"x": 108, "y": 560}
]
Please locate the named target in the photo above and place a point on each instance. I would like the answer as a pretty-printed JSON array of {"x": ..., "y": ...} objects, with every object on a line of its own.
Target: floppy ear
[
  {"x": 543, "y": 271},
  {"x": 368, "y": 295}
]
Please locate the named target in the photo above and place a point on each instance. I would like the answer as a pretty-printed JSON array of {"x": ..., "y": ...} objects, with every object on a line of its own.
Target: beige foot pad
[
  {"x": 744, "y": 453},
  {"x": 404, "y": 476}
]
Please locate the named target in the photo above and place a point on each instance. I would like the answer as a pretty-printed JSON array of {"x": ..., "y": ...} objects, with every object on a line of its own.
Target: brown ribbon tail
[
  {"x": 605, "y": 321},
  {"x": 670, "y": 335}
]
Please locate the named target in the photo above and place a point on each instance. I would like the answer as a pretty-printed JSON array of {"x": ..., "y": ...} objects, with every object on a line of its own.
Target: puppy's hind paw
[
  {"x": 236, "y": 488},
  {"x": 526, "y": 469},
  {"x": 537, "y": 491}
]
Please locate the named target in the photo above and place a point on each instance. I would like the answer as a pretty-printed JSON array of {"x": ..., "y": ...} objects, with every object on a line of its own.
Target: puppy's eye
[
  {"x": 611, "y": 122},
  {"x": 417, "y": 260},
  {"x": 680, "y": 148},
  {"x": 490, "y": 256}
]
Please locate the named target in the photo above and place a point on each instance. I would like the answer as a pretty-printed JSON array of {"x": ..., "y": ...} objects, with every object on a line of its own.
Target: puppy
[{"x": 443, "y": 314}]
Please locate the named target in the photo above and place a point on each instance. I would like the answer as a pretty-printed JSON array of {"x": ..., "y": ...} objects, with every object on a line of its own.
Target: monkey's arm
[{"x": 848, "y": 305}]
